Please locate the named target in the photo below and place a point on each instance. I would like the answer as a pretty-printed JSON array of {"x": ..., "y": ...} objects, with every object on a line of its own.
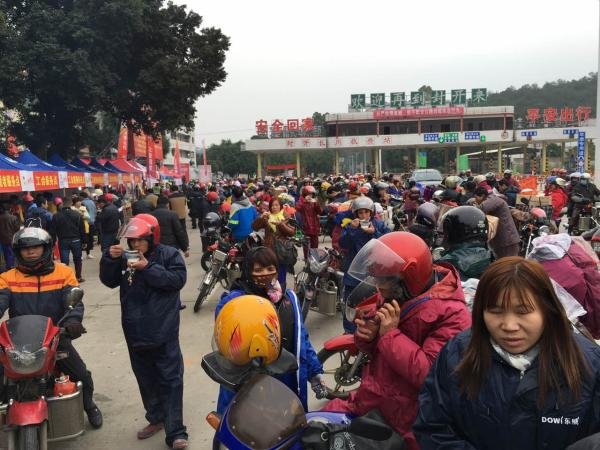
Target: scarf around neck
[{"x": 520, "y": 361}]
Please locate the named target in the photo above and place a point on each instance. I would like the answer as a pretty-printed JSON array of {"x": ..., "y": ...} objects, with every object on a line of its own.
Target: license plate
[{"x": 219, "y": 256}]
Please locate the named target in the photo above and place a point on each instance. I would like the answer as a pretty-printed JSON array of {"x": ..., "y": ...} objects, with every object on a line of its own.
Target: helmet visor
[
  {"x": 375, "y": 263},
  {"x": 135, "y": 229}
]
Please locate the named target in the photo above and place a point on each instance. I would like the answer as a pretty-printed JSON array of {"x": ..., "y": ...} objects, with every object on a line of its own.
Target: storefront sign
[
  {"x": 10, "y": 181},
  {"x": 552, "y": 115},
  {"x": 278, "y": 127},
  {"x": 479, "y": 96}
]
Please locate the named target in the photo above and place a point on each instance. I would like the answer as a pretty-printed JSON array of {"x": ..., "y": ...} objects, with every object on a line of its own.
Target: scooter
[
  {"x": 40, "y": 407},
  {"x": 266, "y": 414},
  {"x": 319, "y": 284}
]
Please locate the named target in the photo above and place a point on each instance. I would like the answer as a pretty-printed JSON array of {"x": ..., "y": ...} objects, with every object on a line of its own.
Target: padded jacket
[
  {"x": 44, "y": 295},
  {"x": 505, "y": 414},
  {"x": 470, "y": 259},
  {"x": 171, "y": 231},
  {"x": 150, "y": 305}
]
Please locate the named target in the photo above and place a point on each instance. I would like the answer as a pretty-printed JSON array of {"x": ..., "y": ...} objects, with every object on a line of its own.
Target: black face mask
[{"x": 398, "y": 291}]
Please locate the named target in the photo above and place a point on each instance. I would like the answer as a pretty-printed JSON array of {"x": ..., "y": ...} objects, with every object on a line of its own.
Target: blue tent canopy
[
  {"x": 110, "y": 166},
  {"x": 57, "y": 161},
  {"x": 28, "y": 158},
  {"x": 88, "y": 168},
  {"x": 96, "y": 165},
  {"x": 7, "y": 163}
]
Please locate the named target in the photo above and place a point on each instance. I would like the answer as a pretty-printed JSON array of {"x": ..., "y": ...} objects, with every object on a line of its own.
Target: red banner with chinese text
[
  {"x": 44, "y": 181},
  {"x": 177, "y": 159},
  {"x": 139, "y": 145},
  {"x": 122, "y": 147},
  {"x": 443, "y": 111},
  {"x": 98, "y": 178},
  {"x": 75, "y": 179},
  {"x": 158, "y": 149},
  {"x": 150, "y": 161},
  {"x": 10, "y": 181},
  {"x": 185, "y": 171},
  {"x": 113, "y": 179}
]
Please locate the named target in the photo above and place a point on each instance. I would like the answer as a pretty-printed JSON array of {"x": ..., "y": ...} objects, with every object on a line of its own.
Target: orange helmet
[
  {"x": 142, "y": 226},
  {"x": 212, "y": 196},
  {"x": 246, "y": 328},
  {"x": 225, "y": 207},
  {"x": 398, "y": 254}
]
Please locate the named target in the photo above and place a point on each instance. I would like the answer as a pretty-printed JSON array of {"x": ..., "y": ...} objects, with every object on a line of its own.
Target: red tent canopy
[{"x": 126, "y": 166}]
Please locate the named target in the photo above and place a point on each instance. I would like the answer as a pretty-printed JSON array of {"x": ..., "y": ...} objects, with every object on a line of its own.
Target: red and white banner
[
  {"x": 409, "y": 113},
  {"x": 150, "y": 161}
]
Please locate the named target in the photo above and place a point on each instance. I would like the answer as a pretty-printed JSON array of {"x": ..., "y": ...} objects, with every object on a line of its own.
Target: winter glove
[
  {"x": 75, "y": 329},
  {"x": 318, "y": 387}
]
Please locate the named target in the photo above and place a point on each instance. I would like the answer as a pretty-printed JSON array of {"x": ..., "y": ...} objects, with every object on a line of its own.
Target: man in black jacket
[
  {"x": 196, "y": 203},
  {"x": 108, "y": 221},
  {"x": 142, "y": 206},
  {"x": 70, "y": 231},
  {"x": 171, "y": 231}
]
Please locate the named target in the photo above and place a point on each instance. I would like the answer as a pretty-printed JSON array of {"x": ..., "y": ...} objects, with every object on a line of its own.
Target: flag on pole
[{"x": 123, "y": 143}]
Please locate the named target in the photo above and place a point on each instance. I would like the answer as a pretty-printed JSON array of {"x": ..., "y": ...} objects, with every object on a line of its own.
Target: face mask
[
  {"x": 394, "y": 290},
  {"x": 264, "y": 281}
]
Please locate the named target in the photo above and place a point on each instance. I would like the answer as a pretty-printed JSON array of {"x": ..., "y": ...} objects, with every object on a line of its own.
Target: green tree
[
  {"x": 144, "y": 62},
  {"x": 228, "y": 157}
]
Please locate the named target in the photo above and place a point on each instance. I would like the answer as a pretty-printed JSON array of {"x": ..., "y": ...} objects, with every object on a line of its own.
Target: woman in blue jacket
[
  {"x": 520, "y": 378},
  {"x": 259, "y": 277}
]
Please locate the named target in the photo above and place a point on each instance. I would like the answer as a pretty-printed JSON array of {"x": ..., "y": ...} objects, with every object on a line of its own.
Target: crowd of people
[{"x": 443, "y": 371}]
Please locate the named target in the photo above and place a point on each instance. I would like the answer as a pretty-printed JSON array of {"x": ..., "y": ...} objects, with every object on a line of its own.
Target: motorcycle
[
  {"x": 224, "y": 264},
  {"x": 266, "y": 414},
  {"x": 318, "y": 285},
  {"x": 42, "y": 405},
  {"x": 588, "y": 216},
  {"x": 212, "y": 236},
  {"x": 340, "y": 356},
  {"x": 398, "y": 216}
]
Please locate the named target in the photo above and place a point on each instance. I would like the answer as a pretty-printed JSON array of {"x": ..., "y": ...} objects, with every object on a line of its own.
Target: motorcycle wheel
[
  {"x": 29, "y": 437},
  {"x": 205, "y": 261},
  {"x": 336, "y": 365},
  {"x": 205, "y": 291}
]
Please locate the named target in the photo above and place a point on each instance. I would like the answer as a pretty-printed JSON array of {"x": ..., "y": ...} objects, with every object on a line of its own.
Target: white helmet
[
  {"x": 362, "y": 203},
  {"x": 575, "y": 175},
  {"x": 586, "y": 176}
]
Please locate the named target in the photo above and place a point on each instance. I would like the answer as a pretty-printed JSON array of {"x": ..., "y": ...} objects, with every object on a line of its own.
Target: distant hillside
[{"x": 557, "y": 94}]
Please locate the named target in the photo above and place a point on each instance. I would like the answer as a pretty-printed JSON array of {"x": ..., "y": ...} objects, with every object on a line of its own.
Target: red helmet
[
  {"x": 398, "y": 254},
  {"x": 538, "y": 213},
  {"x": 142, "y": 226},
  {"x": 308, "y": 190},
  {"x": 212, "y": 196},
  {"x": 58, "y": 201},
  {"x": 225, "y": 207}
]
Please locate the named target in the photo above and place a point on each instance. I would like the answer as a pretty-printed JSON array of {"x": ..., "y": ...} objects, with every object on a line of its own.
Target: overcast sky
[{"x": 290, "y": 59}]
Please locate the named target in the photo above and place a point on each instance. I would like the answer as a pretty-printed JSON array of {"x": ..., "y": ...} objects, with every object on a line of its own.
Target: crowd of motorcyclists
[{"x": 439, "y": 374}]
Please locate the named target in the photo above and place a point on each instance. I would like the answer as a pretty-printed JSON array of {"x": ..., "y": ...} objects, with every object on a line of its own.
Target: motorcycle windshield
[
  {"x": 27, "y": 332},
  {"x": 265, "y": 413}
]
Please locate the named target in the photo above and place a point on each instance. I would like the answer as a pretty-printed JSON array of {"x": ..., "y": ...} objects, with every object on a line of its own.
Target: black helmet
[
  {"x": 427, "y": 214},
  {"x": 33, "y": 237},
  {"x": 211, "y": 222},
  {"x": 464, "y": 223}
]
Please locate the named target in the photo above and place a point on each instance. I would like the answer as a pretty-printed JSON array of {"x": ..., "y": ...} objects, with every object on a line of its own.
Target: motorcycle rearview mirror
[
  {"x": 370, "y": 429},
  {"x": 525, "y": 201},
  {"x": 73, "y": 297}
]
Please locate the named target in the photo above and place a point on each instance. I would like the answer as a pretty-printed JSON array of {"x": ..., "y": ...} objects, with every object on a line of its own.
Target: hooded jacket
[
  {"x": 400, "y": 360},
  {"x": 171, "y": 231},
  {"x": 241, "y": 217},
  {"x": 507, "y": 233},
  {"x": 310, "y": 216},
  {"x": 505, "y": 414},
  {"x": 150, "y": 305}
]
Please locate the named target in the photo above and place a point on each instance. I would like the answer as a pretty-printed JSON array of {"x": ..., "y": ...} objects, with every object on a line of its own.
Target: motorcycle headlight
[
  {"x": 316, "y": 266},
  {"x": 25, "y": 362}
]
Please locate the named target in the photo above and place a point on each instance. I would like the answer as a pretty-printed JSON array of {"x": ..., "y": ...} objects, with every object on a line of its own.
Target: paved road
[{"x": 104, "y": 350}]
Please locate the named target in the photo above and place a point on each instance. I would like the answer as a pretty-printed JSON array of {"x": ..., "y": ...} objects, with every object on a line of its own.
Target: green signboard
[
  {"x": 397, "y": 99},
  {"x": 377, "y": 100},
  {"x": 422, "y": 160},
  {"x": 358, "y": 101},
  {"x": 438, "y": 98},
  {"x": 458, "y": 96},
  {"x": 463, "y": 162},
  {"x": 449, "y": 138},
  {"x": 416, "y": 98},
  {"x": 478, "y": 96}
]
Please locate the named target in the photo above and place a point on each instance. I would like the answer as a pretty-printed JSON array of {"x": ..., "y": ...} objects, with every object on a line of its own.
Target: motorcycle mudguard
[
  {"x": 27, "y": 413},
  {"x": 341, "y": 342}
]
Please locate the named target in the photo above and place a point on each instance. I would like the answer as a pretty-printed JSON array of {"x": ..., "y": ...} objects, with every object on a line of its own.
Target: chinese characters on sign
[
  {"x": 302, "y": 127},
  {"x": 479, "y": 96},
  {"x": 472, "y": 135},
  {"x": 430, "y": 137},
  {"x": 581, "y": 152},
  {"x": 554, "y": 115},
  {"x": 407, "y": 113}
]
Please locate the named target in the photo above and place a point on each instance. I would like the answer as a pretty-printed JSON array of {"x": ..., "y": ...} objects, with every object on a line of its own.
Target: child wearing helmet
[
  {"x": 259, "y": 278},
  {"x": 418, "y": 308},
  {"x": 150, "y": 305},
  {"x": 356, "y": 232}
]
